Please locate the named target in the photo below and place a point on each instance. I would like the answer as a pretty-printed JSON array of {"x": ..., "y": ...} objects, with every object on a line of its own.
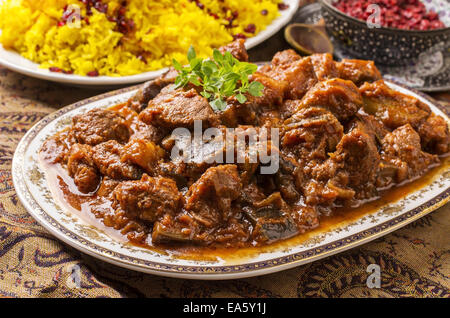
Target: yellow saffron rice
[{"x": 64, "y": 36}]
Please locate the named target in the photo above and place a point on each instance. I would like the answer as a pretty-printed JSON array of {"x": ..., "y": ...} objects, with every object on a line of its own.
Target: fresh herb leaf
[
  {"x": 177, "y": 65},
  {"x": 191, "y": 53},
  {"x": 220, "y": 78},
  {"x": 218, "y": 57},
  {"x": 218, "y": 104},
  {"x": 194, "y": 80},
  {"x": 256, "y": 88},
  {"x": 205, "y": 94},
  {"x": 241, "y": 98}
]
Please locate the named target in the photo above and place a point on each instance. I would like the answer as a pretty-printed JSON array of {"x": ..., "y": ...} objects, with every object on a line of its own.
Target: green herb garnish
[{"x": 220, "y": 77}]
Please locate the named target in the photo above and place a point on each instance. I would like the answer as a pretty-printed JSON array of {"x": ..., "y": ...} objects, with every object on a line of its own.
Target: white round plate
[
  {"x": 32, "y": 189},
  {"x": 16, "y": 62}
]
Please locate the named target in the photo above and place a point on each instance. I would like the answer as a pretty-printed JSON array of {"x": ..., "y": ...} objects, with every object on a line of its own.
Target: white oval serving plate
[
  {"x": 33, "y": 191},
  {"x": 16, "y": 62}
]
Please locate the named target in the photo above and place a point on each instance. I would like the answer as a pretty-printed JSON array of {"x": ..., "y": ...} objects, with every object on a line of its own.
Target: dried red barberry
[
  {"x": 282, "y": 6},
  {"x": 101, "y": 7},
  {"x": 239, "y": 36},
  {"x": 400, "y": 14},
  {"x": 93, "y": 73},
  {"x": 55, "y": 69},
  {"x": 251, "y": 28},
  {"x": 215, "y": 16}
]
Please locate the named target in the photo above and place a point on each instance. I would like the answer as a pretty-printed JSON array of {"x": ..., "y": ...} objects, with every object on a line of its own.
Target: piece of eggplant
[{"x": 271, "y": 224}]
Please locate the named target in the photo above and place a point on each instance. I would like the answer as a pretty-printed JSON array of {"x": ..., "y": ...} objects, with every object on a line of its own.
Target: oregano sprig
[{"x": 221, "y": 77}]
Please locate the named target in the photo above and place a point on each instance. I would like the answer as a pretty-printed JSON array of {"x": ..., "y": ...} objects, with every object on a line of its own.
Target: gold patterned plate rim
[{"x": 151, "y": 263}]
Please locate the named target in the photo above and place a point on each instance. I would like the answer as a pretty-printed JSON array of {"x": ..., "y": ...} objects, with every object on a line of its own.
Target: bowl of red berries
[{"x": 390, "y": 32}]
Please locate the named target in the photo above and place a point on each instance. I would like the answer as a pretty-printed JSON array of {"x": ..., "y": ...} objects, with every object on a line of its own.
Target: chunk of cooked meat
[
  {"x": 307, "y": 139},
  {"x": 170, "y": 76},
  {"x": 255, "y": 152},
  {"x": 272, "y": 94},
  {"x": 299, "y": 76},
  {"x": 139, "y": 129},
  {"x": 236, "y": 114},
  {"x": 107, "y": 187},
  {"x": 147, "y": 92},
  {"x": 82, "y": 169},
  {"x": 350, "y": 170},
  {"x": 107, "y": 158},
  {"x": 191, "y": 157},
  {"x": 56, "y": 148},
  {"x": 306, "y": 217},
  {"x": 324, "y": 66},
  {"x": 340, "y": 97},
  {"x": 358, "y": 71},
  {"x": 402, "y": 149},
  {"x": 178, "y": 108},
  {"x": 210, "y": 197},
  {"x": 311, "y": 133},
  {"x": 285, "y": 57},
  {"x": 142, "y": 153},
  {"x": 251, "y": 112},
  {"x": 370, "y": 125},
  {"x": 289, "y": 108},
  {"x": 270, "y": 119},
  {"x": 357, "y": 155},
  {"x": 209, "y": 215},
  {"x": 434, "y": 135},
  {"x": 100, "y": 125},
  {"x": 143, "y": 131},
  {"x": 149, "y": 199},
  {"x": 394, "y": 109},
  {"x": 237, "y": 49},
  {"x": 295, "y": 74},
  {"x": 135, "y": 230},
  {"x": 330, "y": 165}
]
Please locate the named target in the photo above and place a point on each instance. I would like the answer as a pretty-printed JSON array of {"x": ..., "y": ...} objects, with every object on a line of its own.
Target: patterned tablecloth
[{"x": 414, "y": 261}]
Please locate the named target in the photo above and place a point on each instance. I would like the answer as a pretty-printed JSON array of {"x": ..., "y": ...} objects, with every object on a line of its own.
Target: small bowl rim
[{"x": 325, "y": 3}]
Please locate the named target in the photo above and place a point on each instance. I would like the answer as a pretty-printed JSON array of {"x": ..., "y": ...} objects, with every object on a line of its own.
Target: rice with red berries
[{"x": 119, "y": 38}]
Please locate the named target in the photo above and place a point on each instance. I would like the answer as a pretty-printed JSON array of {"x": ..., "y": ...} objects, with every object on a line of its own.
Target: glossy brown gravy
[{"x": 71, "y": 199}]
